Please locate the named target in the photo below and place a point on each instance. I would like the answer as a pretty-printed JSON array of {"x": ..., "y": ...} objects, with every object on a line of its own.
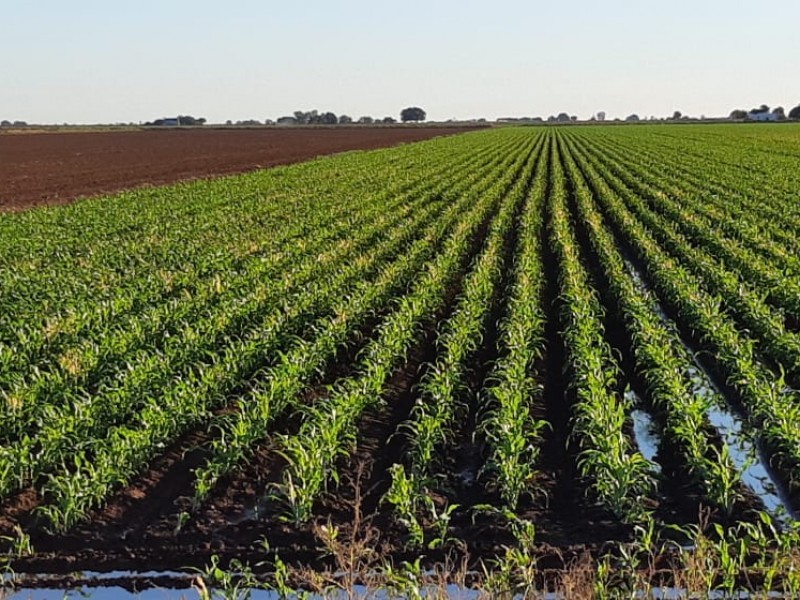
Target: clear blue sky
[{"x": 90, "y": 61}]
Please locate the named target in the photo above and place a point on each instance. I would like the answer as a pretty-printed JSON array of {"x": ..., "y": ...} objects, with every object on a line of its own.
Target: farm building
[{"x": 762, "y": 115}]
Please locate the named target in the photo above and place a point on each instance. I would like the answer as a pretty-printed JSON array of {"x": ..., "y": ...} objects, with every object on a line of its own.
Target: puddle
[
  {"x": 102, "y": 593},
  {"x": 748, "y": 459},
  {"x": 746, "y": 456},
  {"x": 454, "y": 592},
  {"x": 644, "y": 432},
  {"x": 467, "y": 477},
  {"x": 254, "y": 512},
  {"x": 94, "y": 588},
  {"x": 468, "y": 464},
  {"x": 640, "y": 283}
]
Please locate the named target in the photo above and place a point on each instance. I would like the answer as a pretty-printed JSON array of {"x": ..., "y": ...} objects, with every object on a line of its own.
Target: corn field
[{"x": 512, "y": 346}]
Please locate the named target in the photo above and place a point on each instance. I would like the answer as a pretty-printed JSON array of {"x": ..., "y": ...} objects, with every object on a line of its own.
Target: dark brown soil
[{"x": 55, "y": 168}]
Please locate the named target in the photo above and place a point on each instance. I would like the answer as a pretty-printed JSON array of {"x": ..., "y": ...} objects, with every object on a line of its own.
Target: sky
[{"x": 109, "y": 61}]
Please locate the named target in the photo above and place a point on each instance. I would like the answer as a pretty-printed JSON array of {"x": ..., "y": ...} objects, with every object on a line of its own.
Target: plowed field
[{"x": 53, "y": 168}]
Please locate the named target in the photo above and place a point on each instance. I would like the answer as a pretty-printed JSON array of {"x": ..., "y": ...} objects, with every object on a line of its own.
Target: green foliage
[{"x": 224, "y": 305}]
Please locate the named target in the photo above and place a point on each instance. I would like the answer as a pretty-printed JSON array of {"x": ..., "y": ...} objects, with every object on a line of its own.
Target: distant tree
[
  {"x": 5, "y": 123},
  {"x": 601, "y": 115},
  {"x": 779, "y": 113},
  {"x": 228, "y": 122},
  {"x": 20, "y": 124},
  {"x": 302, "y": 117},
  {"x": 345, "y": 119},
  {"x": 328, "y": 118},
  {"x": 366, "y": 120},
  {"x": 795, "y": 112},
  {"x": 573, "y": 118},
  {"x": 761, "y": 109},
  {"x": 248, "y": 123},
  {"x": 738, "y": 114},
  {"x": 190, "y": 120},
  {"x": 412, "y": 113},
  {"x": 677, "y": 115},
  {"x": 633, "y": 117},
  {"x": 551, "y": 119},
  {"x": 388, "y": 120},
  {"x": 287, "y": 121},
  {"x": 562, "y": 117}
]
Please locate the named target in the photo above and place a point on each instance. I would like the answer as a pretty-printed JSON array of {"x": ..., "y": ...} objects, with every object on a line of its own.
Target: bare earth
[{"x": 55, "y": 168}]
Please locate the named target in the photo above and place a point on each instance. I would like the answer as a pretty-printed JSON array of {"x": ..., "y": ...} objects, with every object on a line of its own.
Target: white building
[{"x": 757, "y": 115}]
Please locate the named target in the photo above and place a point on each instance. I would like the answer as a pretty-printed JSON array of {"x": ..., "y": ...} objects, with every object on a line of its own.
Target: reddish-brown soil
[{"x": 53, "y": 168}]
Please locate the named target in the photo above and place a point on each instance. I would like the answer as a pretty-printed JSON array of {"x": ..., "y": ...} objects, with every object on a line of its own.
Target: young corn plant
[
  {"x": 619, "y": 475},
  {"x": 512, "y": 433},
  {"x": 659, "y": 357}
]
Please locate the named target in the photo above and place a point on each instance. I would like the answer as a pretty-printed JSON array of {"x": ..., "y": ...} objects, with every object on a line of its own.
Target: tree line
[
  {"x": 315, "y": 117},
  {"x": 778, "y": 113},
  {"x": 301, "y": 117}
]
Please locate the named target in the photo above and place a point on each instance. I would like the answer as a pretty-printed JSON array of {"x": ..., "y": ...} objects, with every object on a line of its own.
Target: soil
[{"x": 56, "y": 168}]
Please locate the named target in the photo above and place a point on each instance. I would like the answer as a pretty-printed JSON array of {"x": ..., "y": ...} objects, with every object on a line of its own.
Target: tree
[
  {"x": 345, "y": 119},
  {"x": 366, "y": 120},
  {"x": 677, "y": 115},
  {"x": 388, "y": 120},
  {"x": 738, "y": 115},
  {"x": 562, "y": 117},
  {"x": 779, "y": 113},
  {"x": 601, "y": 115},
  {"x": 306, "y": 118},
  {"x": 328, "y": 118},
  {"x": 633, "y": 117},
  {"x": 795, "y": 112},
  {"x": 412, "y": 113},
  {"x": 190, "y": 120}
]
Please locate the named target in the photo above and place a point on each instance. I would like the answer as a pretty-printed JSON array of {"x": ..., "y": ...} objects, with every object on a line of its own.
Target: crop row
[
  {"x": 276, "y": 311},
  {"x": 770, "y": 405}
]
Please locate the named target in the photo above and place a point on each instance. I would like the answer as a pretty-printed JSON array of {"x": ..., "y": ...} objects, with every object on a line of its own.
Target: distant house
[
  {"x": 170, "y": 122},
  {"x": 762, "y": 114}
]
